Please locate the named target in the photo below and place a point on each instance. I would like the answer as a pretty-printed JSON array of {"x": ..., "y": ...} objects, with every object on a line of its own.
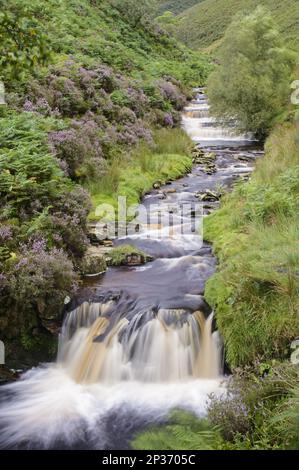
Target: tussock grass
[{"x": 255, "y": 235}]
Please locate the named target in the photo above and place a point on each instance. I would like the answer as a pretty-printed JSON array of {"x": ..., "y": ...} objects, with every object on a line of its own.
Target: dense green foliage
[
  {"x": 205, "y": 23},
  {"x": 251, "y": 84},
  {"x": 23, "y": 43},
  {"x": 86, "y": 82}
]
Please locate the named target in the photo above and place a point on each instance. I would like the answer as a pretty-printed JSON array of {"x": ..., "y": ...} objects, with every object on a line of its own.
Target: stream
[{"x": 143, "y": 342}]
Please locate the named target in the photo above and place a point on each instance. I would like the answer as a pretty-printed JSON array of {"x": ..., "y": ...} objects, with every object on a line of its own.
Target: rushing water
[{"x": 143, "y": 341}]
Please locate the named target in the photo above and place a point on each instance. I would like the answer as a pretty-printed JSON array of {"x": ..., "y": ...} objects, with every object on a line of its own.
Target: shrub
[
  {"x": 27, "y": 47},
  {"x": 246, "y": 415}
]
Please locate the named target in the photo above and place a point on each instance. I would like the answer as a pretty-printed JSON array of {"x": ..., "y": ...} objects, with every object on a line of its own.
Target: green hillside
[{"x": 203, "y": 24}]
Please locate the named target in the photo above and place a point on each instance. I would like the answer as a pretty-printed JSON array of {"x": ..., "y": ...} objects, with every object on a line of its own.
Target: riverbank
[
  {"x": 255, "y": 236},
  {"x": 168, "y": 157}
]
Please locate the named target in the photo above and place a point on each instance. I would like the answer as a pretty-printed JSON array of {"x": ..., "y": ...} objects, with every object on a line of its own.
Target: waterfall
[
  {"x": 204, "y": 129},
  {"x": 172, "y": 346}
]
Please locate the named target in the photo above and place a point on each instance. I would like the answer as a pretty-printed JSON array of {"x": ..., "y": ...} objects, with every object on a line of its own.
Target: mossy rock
[
  {"x": 93, "y": 264},
  {"x": 127, "y": 255}
]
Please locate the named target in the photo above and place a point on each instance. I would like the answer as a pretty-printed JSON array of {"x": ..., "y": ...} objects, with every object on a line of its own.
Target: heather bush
[
  {"x": 254, "y": 396},
  {"x": 71, "y": 90},
  {"x": 131, "y": 133},
  {"x": 171, "y": 93},
  {"x": 35, "y": 274},
  {"x": 80, "y": 148}
]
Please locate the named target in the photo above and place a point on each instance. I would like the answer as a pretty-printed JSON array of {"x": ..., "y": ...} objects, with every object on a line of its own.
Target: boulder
[
  {"x": 93, "y": 263},
  {"x": 7, "y": 375},
  {"x": 170, "y": 191},
  {"x": 208, "y": 196},
  {"x": 126, "y": 255}
]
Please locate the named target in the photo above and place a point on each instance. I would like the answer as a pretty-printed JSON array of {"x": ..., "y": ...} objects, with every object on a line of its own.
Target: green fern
[{"x": 184, "y": 432}]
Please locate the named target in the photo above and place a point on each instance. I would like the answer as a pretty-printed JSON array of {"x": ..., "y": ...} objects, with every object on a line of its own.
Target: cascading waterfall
[
  {"x": 202, "y": 128},
  {"x": 172, "y": 346},
  {"x": 146, "y": 343}
]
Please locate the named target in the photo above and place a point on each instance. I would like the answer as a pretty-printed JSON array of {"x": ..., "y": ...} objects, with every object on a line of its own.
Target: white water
[
  {"x": 202, "y": 128},
  {"x": 48, "y": 405}
]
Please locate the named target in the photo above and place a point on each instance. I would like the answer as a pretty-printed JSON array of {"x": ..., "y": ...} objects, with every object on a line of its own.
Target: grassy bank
[
  {"x": 168, "y": 158},
  {"x": 255, "y": 234}
]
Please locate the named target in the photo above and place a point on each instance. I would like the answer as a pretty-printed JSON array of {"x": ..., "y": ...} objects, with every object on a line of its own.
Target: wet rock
[
  {"x": 136, "y": 259},
  {"x": 107, "y": 243},
  {"x": 170, "y": 191},
  {"x": 94, "y": 240},
  {"x": 97, "y": 233},
  {"x": 211, "y": 156},
  {"x": 7, "y": 375},
  {"x": 244, "y": 158},
  {"x": 207, "y": 160},
  {"x": 197, "y": 152},
  {"x": 157, "y": 185},
  {"x": 209, "y": 196},
  {"x": 210, "y": 169}
]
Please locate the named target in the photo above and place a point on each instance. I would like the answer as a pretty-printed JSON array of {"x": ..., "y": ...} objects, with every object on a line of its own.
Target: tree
[
  {"x": 136, "y": 12},
  {"x": 251, "y": 84},
  {"x": 23, "y": 45}
]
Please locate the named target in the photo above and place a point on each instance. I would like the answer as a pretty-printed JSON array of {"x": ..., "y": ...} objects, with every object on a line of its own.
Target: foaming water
[{"x": 48, "y": 409}]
